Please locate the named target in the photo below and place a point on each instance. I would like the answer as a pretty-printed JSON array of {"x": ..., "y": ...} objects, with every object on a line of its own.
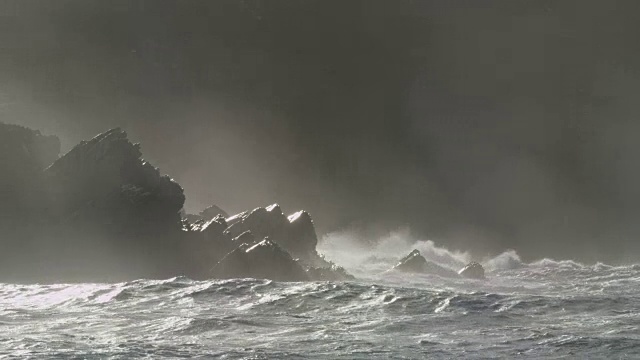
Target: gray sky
[{"x": 484, "y": 125}]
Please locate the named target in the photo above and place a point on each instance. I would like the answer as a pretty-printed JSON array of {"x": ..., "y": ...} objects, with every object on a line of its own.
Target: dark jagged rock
[
  {"x": 24, "y": 154},
  {"x": 296, "y": 233},
  {"x": 416, "y": 263},
  {"x": 265, "y": 260},
  {"x": 191, "y": 218},
  {"x": 205, "y": 245},
  {"x": 24, "y": 205},
  {"x": 262, "y": 222},
  {"x": 103, "y": 213},
  {"x": 25, "y": 148},
  {"x": 246, "y": 237},
  {"x": 472, "y": 271},
  {"x": 214, "y": 227},
  {"x": 231, "y": 220},
  {"x": 302, "y": 239},
  {"x": 104, "y": 180},
  {"x": 331, "y": 273},
  {"x": 212, "y": 211},
  {"x": 104, "y": 197}
]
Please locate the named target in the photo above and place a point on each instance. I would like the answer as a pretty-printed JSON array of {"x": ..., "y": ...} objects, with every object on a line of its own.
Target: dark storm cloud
[{"x": 484, "y": 125}]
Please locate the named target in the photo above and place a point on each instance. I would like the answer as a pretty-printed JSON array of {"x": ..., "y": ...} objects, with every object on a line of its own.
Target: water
[{"x": 546, "y": 309}]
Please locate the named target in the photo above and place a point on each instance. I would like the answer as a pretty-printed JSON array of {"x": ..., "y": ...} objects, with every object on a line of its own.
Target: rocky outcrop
[
  {"x": 212, "y": 211},
  {"x": 104, "y": 181},
  {"x": 204, "y": 244},
  {"x": 24, "y": 205},
  {"x": 266, "y": 259},
  {"x": 23, "y": 149},
  {"x": 472, "y": 271},
  {"x": 205, "y": 215},
  {"x": 24, "y": 154},
  {"x": 301, "y": 238},
  {"x": 296, "y": 233},
  {"x": 214, "y": 241},
  {"x": 416, "y": 263},
  {"x": 100, "y": 212},
  {"x": 329, "y": 273},
  {"x": 248, "y": 228}
]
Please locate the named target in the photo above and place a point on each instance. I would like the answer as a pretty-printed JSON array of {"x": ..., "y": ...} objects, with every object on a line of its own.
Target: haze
[{"x": 484, "y": 126}]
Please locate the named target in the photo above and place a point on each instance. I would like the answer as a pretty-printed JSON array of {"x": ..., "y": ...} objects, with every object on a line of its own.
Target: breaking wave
[{"x": 544, "y": 309}]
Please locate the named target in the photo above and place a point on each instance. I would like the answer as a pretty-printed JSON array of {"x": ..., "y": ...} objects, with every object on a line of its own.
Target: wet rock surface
[
  {"x": 264, "y": 259},
  {"x": 104, "y": 213},
  {"x": 213, "y": 211},
  {"x": 472, "y": 271},
  {"x": 295, "y": 233},
  {"x": 329, "y": 273},
  {"x": 416, "y": 263}
]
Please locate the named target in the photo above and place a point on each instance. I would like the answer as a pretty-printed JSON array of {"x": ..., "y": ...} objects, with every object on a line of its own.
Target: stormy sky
[{"x": 483, "y": 125}]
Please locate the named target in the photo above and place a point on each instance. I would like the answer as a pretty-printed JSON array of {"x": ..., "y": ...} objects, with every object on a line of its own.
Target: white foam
[{"x": 349, "y": 249}]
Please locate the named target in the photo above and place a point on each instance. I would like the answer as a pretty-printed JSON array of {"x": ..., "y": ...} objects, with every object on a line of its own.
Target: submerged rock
[
  {"x": 416, "y": 263},
  {"x": 266, "y": 260},
  {"x": 472, "y": 271}
]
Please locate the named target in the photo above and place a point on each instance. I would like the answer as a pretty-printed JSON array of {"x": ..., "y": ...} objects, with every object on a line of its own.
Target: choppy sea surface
[{"x": 545, "y": 309}]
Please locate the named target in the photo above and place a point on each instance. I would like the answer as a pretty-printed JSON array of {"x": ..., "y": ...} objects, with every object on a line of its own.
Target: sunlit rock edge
[{"x": 100, "y": 212}]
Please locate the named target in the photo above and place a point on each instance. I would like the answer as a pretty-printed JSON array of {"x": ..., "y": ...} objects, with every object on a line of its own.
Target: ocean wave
[
  {"x": 543, "y": 309},
  {"x": 349, "y": 249},
  {"x": 327, "y": 319}
]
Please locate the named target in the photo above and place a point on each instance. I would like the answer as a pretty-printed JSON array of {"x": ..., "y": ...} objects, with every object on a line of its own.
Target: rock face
[
  {"x": 24, "y": 154},
  {"x": 296, "y": 233},
  {"x": 99, "y": 212},
  {"x": 293, "y": 235},
  {"x": 234, "y": 236},
  {"x": 213, "y": 211},
  {"x": 204, "y": 244},
  {"x": 224, "y": 241},
  {"x": 102, "y": 213},
  {"x": 26, "y": 149},
  {"x": 265, "y": 259},
  {"x": 104, "y": 180},
  {"x": 416, "y": 263},
  {"x": 24, "y": 206},
  {"x": 205, "y": 215},
  {"x": 302, "y": 239},
  {"x": 472, "y": 271},
  {"x": 329, "y": 273}
]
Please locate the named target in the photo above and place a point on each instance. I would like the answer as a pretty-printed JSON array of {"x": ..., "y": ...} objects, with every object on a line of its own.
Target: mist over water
[
  {"x": 545, "y": 309},
  {"x": 509, "y": 126},
  {"x": 369, "y": 258},
  {"x": 349, "y": 249},
  {"x": 501, "y": 132}
]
